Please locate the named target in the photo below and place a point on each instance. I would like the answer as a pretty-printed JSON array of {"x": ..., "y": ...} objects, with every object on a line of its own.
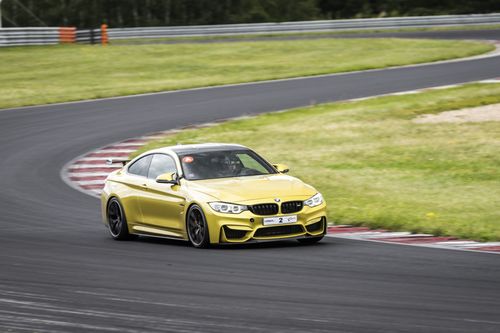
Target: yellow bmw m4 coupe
[{"x": 210, "y": 194}]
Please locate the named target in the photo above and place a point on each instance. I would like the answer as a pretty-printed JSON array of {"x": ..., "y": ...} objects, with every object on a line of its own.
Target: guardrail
[
  {"x": 307, "y": 26},
  {"x": 44, "y": 36},
  {"x": 29, "y": 36},
  {"x": 90, "y": 36},
  {"x": 51, "y": 35},
  {"x": 93, "y": 36},
  {"x": 36, "y": 36}
]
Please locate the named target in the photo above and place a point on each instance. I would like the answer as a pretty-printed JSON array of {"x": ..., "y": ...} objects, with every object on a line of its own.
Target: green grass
[
  {"x": 377, "y": 168},
  {"x": 48, "y": 74},
  {"x": 303, "y": 34}
]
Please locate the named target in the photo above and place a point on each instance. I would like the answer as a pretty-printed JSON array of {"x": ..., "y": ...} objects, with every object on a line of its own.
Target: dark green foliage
[{"x": 132, "y": 13}]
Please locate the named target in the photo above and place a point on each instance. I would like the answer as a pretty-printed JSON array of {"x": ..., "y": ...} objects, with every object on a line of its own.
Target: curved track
[{"x": 59, "y": 271}]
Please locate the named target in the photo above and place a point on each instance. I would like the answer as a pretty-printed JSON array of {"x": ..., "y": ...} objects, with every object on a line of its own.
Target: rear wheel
[
  {"x": 311, "y": 240},
  {"x": 197, "y": 227},
  {"x": 117, "y": 222}
]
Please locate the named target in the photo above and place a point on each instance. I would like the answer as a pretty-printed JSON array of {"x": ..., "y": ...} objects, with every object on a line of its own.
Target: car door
[
  {"x": 136, "y": 182},
  {"x": 163, "y": 206}
]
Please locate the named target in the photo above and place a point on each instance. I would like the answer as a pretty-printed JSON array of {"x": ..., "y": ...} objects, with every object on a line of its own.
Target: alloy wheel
[
  {"x": 115, "y": 218},
  {"x": 197, "y": 228}
]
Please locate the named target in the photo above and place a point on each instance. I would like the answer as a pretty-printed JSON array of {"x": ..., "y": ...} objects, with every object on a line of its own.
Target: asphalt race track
[{"x": 60, "y": 272}]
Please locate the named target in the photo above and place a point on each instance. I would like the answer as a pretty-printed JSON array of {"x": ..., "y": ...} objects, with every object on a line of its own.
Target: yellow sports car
[{"x": 210, "y": 194}]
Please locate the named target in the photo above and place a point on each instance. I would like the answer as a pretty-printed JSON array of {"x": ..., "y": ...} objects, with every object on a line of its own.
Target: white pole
[{"x": 0, "y": 14}]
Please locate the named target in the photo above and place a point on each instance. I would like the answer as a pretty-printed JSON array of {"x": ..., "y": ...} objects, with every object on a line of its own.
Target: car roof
[{"x": 200, "y": 148}]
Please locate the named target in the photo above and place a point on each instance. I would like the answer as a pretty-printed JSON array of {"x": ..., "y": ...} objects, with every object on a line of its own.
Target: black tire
[
  {"x": 310, "y": 240},
  {"x": 197, "y": 227},
  {"x": 117, "y": 222}
]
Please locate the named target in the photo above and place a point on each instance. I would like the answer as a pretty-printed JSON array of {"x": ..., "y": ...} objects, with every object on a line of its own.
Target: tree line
[{"x": 132, "y": 13}]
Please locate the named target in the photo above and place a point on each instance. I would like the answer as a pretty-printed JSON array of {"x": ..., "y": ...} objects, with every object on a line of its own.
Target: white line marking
[
  {"x": 483, "y": 244},
  {"x": 90, "y": 182},
  {"x": 384, "y": 235},
  {"x": 491, "y": 81},
  {"x": 86, "y": 166},
  {"x": 429, "y": 245},
  {"x": 90, "y": 174},
  {"x": 103, "y": 157},
  {"x": 125, "y": 144},
  {"x": 410, "y": 92},
  {"x": 96, "y": 158},
  {"x": 115, "y": 151},
  {"x": 446, "y": 87},
  {"x": 456, "y": 243}
]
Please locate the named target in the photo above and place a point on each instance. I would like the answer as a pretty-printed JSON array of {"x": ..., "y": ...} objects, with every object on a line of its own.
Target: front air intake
[
  {"x": 315, "y": 227},
  {"x": 234, "y": 234},
  {"x": 279, "y": 231}
]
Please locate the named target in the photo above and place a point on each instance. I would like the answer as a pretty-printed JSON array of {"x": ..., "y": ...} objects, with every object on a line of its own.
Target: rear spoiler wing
[{"x": 110, "y": 161}]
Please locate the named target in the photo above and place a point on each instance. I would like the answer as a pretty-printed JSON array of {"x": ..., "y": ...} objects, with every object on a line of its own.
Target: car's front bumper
[{"x": 248, "y": 227}]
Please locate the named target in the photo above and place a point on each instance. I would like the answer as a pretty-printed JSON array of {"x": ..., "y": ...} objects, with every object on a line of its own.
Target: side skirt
[{"x": 156, "y": 232}]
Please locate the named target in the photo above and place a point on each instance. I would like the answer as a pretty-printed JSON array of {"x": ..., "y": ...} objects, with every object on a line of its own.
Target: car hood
[{"x": 241, "y": 189}]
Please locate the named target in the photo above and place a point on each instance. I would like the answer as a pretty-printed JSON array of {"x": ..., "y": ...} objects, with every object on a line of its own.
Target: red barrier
[
  {"x": 104, "y": 34},
  {"x": 67, "y": 34}
]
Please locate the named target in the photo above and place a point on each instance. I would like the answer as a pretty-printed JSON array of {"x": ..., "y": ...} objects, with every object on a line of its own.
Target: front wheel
[
  {"x": 310, "y": 240},
  {"x": 197, "y": 227},
  {"x": 117, "y": 222}
]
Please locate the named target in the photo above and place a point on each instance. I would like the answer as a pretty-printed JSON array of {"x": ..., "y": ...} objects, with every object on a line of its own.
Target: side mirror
[
  {"x": 168, "y": 178},
  {"x": 281, "y": 168}
]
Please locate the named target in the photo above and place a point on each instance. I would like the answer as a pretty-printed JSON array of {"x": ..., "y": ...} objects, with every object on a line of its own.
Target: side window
[
  {"x": 161, "y": 164},
  {"x": 141, "y": 166}
]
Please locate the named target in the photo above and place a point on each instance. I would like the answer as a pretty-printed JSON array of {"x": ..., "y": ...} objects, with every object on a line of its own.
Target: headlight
[
  {"x": 228, "y": 208},
  {"x": 314, "y": 201}
]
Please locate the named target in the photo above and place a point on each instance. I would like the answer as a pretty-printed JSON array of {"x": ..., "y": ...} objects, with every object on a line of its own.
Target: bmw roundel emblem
[{"x": 277, "y": 199}]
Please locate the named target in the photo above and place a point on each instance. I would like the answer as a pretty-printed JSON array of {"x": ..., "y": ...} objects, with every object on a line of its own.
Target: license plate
[{"x": 279, "y": 220}]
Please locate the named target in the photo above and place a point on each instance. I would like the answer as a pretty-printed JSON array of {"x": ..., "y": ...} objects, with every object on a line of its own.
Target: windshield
[{"x": 223, "y": 164}]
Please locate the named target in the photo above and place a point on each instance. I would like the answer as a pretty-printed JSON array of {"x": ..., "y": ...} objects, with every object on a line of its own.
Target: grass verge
[
  {"x": 377, "y": 168},
  {"x": 49, "y": 74}
]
